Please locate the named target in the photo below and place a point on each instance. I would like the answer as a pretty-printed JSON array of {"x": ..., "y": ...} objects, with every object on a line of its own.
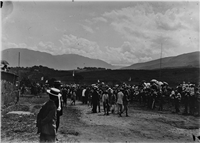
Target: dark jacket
[
  {"x": 46, "y": 118},
  {"x": 95, "y": 97},
  {"x": 125, "y": 98}
]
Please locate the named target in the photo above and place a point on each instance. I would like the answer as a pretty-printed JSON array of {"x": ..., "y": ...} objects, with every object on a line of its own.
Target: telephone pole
[
  {"x": 160, "y": 62},
  {"x": 19, "y": 67},
  {"x": 19, "y": 60}
]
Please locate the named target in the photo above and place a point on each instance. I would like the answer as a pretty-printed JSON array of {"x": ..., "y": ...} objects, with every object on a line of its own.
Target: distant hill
[
  {"x": 184, "y": 60},
  {"x": 173, "y": 76},
  {"x": 30, "y": 58}
]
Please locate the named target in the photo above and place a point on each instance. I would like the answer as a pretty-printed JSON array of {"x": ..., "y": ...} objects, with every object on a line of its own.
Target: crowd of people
[
  {"x": 115, "y": 99},
  {"x": 153, "y": 94}
]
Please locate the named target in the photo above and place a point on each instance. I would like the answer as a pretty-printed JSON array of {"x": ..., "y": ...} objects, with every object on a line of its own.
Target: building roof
[{"x": 8, "y": 76}]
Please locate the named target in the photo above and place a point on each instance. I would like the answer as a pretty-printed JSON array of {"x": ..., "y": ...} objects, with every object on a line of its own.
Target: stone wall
[
  {"x": 8, "y": 86},
  {"x": 1, "y": 103},
  {"x": 8, "y": 94}
]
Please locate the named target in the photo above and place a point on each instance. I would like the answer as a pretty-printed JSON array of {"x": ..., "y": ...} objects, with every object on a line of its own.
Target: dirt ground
[
  {"x": 78, "y": 124},
  {"x": 140, "y": 126}
]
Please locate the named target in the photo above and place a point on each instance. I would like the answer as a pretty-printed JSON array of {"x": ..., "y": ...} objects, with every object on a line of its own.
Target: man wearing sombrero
[
  {"x": 47, "y": 117},
  {"x": 57, "y": 85}
]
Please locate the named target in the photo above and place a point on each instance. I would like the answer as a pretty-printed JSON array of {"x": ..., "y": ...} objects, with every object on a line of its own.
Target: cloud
[
  {"x": 6, "y": 44},
  {"x": 88, "y": 29},
  {"x": 143, "y": 28},
  {"x": 72, "y": 44},
  {"x": 126, "y": 47},
  {"x": 88, "y": 21},
  {"x": 9, "y": 45},
  {"x": 48, "y": 47},
  {"x": 99, "y": 19},
  {"x": 42, "y": 46},
  {"x": 124, "y": 54}
]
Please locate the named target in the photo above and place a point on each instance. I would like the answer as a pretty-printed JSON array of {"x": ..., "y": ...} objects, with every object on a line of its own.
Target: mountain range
[
  {"x": 29, "y": 58},
  {"x": 183, "y": 60}
]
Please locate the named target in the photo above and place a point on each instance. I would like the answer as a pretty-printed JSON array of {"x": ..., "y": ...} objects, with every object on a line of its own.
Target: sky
[{"x": 119, "y": 33}]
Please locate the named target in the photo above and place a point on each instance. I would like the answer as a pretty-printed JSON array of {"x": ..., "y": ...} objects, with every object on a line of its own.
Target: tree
[
  {"x": 25, "y": 81},
  {"x": 78, "y": 78},
  {"x": 51, "y": 82}
]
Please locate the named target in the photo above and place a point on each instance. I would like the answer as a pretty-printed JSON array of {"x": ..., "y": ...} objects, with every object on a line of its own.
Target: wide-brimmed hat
[
  {"x": 95, "y": 87},
  {"x": 54, "y": 92},
  {"x": 57, "y": 81}
]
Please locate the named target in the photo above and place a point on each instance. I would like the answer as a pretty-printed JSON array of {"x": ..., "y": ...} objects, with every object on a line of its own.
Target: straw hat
[{"x": 54, "y": 92}]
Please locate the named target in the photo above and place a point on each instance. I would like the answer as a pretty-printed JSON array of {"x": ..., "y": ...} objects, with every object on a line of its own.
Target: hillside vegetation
[{"x": 172, "y": 76}]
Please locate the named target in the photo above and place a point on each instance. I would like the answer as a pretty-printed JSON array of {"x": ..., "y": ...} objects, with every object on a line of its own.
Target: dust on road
[
  {"x": 78, "y": 124},
  {"x": 141, "y": 126}
]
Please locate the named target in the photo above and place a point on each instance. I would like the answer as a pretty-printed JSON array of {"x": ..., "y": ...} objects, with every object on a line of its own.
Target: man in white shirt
[
  {"x": 120, "y": 96},
  {"x": 83, "y": 95}
]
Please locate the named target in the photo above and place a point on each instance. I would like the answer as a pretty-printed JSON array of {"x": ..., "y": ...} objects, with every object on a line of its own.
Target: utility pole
[
  {"x": 1, "y": 81},
  {"x": 19, "y": 67},
  {"x": 19, "y": 60},
  {"x": 160, "y": 62}
]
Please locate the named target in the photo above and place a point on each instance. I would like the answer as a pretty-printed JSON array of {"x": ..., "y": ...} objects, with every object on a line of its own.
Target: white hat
[
  {"x": 95, "y": 86},
  {"x": 54, "y": 92},
  {"x": 165, "y": 83},
  {"x": 154, "y": 80},
  {"x": 160, "y": 83}
]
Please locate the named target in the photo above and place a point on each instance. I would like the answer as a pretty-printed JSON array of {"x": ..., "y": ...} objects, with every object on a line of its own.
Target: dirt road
[{"x": 79, "y": 124}]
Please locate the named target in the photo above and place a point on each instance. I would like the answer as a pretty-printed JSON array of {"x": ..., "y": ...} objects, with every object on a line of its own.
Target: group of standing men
[
  {"x": 110, "y": 99},
  {"x": 49, "y": 116},
  {"x": 95, "y": 96}
]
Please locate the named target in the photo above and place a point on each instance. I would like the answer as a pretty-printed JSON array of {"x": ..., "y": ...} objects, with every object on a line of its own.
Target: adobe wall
[
  {"x": 7, "y": 94},
  {"x": 1, "y": 103}
]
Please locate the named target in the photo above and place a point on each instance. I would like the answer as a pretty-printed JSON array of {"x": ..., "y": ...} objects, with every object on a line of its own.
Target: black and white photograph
[{"x": 100, "y": 71}]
